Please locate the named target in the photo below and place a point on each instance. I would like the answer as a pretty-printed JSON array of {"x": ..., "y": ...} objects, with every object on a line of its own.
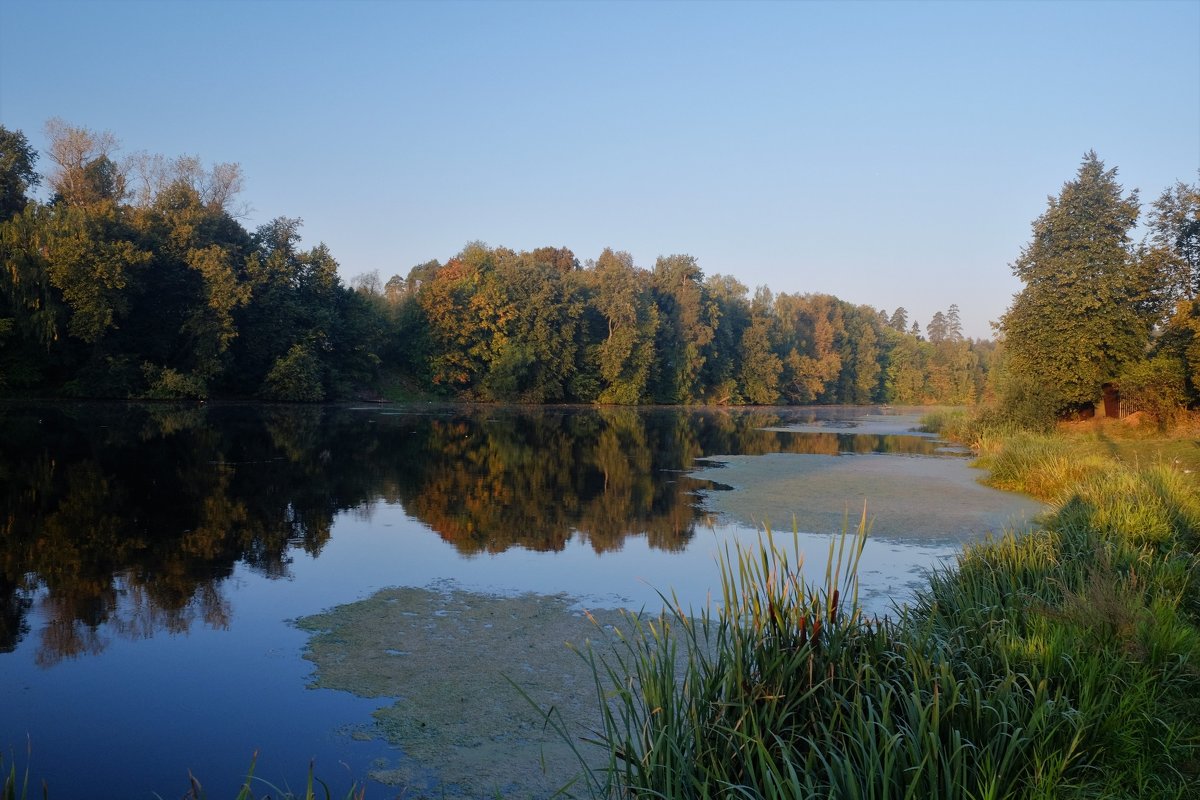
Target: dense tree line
[
  {"x": 1098, "y": 308},
  {"x": 498, "y": 325},
  {"x": 136, "y": 279}
]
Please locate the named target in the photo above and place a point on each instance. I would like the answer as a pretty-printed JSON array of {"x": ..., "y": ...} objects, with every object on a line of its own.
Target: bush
[
  {"x": 1157, "y": 387},
  {"x": 296, "y": 377},
  {"x": 1027, "y": 404},
  {"x": 167, "y": 384}
]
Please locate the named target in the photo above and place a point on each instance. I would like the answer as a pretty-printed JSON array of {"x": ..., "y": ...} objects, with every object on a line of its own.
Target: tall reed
[
  {"x": 11, "y": 788},
  {"x": 269, "y": 790},
  {"x": 1063, "y": 663}
]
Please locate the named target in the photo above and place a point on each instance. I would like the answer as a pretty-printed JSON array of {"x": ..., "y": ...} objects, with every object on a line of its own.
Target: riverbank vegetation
[
  {"x": 136, "y": 279},
  {"x": 1063, "y": 663}
]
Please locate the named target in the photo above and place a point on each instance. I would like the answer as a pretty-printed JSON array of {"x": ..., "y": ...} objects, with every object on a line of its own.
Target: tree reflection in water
[{"x": 125, "y": 520}]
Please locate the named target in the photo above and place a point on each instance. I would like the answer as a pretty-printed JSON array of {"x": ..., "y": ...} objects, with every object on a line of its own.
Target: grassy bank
[
  {"x": 1064, "y": 663},
  {"x": 19, "y": 787}
]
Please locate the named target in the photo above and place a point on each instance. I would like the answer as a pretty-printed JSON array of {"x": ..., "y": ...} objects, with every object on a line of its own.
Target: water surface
[{"x": 154, "y": 557}]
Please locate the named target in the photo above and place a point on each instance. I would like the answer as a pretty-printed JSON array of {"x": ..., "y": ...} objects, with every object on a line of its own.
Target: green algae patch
[
  {"x": 909, "y": 498},
  {"x": 447, "y": 658}
]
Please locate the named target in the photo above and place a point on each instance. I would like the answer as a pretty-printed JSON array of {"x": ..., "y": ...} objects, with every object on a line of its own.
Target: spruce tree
[{"x": 1077, "y": 321}]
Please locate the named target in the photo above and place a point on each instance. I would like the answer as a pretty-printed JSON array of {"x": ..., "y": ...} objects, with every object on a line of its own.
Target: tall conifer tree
[{"x": 1076, "y": 322}]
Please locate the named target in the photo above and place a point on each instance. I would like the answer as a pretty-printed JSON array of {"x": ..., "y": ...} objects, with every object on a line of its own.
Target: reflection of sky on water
[
  {"x": 216, "y": 696},
  {"x": 391, "y": 549},
  {"x": 157, "y": 700}
]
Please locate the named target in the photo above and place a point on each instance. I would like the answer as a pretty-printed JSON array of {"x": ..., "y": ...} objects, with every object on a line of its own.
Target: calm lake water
[{"x": 153, "y": 557}]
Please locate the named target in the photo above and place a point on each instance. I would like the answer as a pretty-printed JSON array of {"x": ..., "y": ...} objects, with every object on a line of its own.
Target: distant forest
[{"x": 137, "y": 280}]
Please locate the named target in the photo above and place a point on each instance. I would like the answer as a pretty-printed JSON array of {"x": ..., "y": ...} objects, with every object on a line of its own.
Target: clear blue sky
[{"x": 888, "y": 153}]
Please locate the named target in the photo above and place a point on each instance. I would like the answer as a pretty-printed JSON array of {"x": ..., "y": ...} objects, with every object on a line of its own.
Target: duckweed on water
[
  {"x": 444, "y": 660},
  {"x": 1060, "y": 663}
]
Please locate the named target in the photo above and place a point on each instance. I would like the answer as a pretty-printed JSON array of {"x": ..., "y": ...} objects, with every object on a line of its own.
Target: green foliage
[
  {"x": 139, "y": 260},
  {"x": 117, "y": 377},
  {"x": 760, "y": 366},
  {"x": 1058, "y": 663},
  {"x": 96, "y": 286},
  {"x": 1080, "y": 317},
  {"x": 504, "y": 325},
  {"x": 620, "y": 294},
  {"x": 17, "y": 172},
  {"x": 808, "y": 329},
  {"x": 295, "y": 377},
  {"x": 509, "y": 372},
  {"x": 951, "y": 361},
  {"x": 906, "y": 372},
  {"x": 859, "y": 380},
  {"x": 167, "y": 384},
  {"x": 89, "y": 260},
  {"x": 1156, "y": 386},
  {"x": 1172, "y": 258},
  {"x": 688, "y": 320},
  {"x": 1172, "y": 265},
  {"x": 1021, "y": 398}
]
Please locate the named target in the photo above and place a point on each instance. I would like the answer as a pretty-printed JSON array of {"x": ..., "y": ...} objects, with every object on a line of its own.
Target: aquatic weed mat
[
  {"x": 908, "y": 498},
  {"x": 447, "y": 656}
]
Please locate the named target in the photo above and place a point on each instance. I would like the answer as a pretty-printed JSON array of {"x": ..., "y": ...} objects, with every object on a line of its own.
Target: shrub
[
  {"x": 167, "y": 384},
  {"x": 1157, "y": 387},
  {"x": 296, "y": 377}
]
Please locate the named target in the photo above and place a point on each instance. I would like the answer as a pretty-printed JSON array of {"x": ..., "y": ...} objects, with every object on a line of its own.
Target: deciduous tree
[
  {"x": 17, "y": 172},
  {"x": 1173, "y": 256}
]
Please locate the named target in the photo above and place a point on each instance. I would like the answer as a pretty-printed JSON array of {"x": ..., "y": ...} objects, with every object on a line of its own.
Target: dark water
[{"x": 153, "y": 555}]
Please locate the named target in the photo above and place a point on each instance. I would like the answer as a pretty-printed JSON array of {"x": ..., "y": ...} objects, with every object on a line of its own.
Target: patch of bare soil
[{"x": 447, "y": 657}]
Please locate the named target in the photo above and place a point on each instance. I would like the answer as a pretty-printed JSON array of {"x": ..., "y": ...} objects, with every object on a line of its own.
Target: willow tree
[{"x": 1076, "y": 323}]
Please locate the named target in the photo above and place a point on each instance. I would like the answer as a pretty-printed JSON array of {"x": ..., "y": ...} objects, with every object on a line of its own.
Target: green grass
[
  {"x": 14, "y": 787},
  {"x": 1063, "y": 663},
  {"x": 1042, "y": 465},
  {"x": 395, "y": 387},
  {"x": 1142, "y": 444},
  {"x": 268, "y": 790},
  {"x": 1180, "y": 449},
  {"x": 252, "y": 788}
]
